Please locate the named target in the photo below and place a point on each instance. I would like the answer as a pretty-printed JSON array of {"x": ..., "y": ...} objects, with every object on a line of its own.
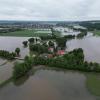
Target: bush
[
  {"x": 46, "y": 37},
  {"x": 21, "y": 69},
  {"x": 61, "y": 41},
  {"x": 40, "y": 61},
  {"x": 38, "y": 48},
  {"x": 31, "y": 40}
]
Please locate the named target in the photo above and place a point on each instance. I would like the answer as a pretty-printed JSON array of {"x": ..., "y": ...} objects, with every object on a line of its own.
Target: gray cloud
[{"x": 49, "y": 9}]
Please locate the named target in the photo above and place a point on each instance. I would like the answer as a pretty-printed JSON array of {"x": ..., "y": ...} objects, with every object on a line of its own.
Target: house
[
  {"x": 51, "y": 50},
  {"x": 61, "y": 52}
]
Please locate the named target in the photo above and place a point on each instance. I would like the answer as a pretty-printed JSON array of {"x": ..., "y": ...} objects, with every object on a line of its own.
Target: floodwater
[
  {"x": 48, "y": 85},
  {"x": 90, "y": 45},
  {"x": 11, "y": 43},
  {"x": 2, "y": 61},
  {"x": 6, "y": 71}
]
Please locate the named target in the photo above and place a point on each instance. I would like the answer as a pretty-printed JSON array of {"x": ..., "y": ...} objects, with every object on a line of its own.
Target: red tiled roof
[{"x": 61, "y": 52}]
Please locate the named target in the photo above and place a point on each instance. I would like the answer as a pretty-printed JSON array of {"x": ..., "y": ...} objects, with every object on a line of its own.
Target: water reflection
[
  {"x": 21, "y": 80},
  {"x": 48, "y": 85}
]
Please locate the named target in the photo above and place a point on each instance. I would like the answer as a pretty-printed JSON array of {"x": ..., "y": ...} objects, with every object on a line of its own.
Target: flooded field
[
  {"x": 49, "y": 85},
  {"x": 11, "y": 43},
  {"x": 89, "y": 44}
]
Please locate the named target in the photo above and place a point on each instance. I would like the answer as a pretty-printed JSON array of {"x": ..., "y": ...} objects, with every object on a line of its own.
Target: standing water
[
  {"x": 10, "y": 44},
  {"x": 90, "y": 45},
  {"x": 49, "y": 85}
]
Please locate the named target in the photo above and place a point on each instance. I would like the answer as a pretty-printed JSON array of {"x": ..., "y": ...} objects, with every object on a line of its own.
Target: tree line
[
  {"x": 10, "y": 56},
  {"x": 73, "y": 60},
  {"x": 7, "y": 55}
]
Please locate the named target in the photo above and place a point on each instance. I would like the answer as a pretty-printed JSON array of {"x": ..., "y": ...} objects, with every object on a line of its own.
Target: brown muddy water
[{"x": 48, "y": 85}]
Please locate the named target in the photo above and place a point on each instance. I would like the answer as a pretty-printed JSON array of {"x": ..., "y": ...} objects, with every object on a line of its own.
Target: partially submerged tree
[
  {"x": 17, "y": 50},
  {"x": 25, "y": 43}
]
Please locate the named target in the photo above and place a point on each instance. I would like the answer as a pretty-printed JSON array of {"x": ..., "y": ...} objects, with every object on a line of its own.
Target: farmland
[{"x": 27, "y": 33}]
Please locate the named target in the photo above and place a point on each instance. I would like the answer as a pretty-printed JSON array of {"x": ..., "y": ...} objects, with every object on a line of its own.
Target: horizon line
[{"x": 51, "y": 20}]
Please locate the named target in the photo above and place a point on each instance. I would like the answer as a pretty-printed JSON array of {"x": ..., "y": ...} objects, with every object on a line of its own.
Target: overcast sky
[{"x": 52, "y": 10}]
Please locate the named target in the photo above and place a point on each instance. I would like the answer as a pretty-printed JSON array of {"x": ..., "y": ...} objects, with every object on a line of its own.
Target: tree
[
  {"x": 51, "y": 44},
  {"x": 82, "y": 34},
  {"x": 61, "y": 41},
  {"x": 69, "y": 36},
  {"x": 25, "y": 43},
  {"x": 38, "y": 48},
  {"x": 31, "y": 40},
  {"x": 17, "y": 50},
  {"x": 21, "y": 69}
]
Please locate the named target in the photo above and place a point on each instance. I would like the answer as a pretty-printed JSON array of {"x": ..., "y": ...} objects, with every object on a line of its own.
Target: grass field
[
  {"x": 93, "y": 83},
  {"x": 26, "y": 33}
]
